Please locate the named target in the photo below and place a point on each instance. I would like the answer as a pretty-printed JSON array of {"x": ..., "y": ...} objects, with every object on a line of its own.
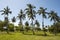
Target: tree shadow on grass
[
  {"x": 27, "y": 34},
  {"x": 5, "y": 33},
  {"x": 42, "y": 35},
  {"x": 36, "y": 34}
]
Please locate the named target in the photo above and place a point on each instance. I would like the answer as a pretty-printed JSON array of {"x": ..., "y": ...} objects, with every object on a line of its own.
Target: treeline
[{"x": 31, "y": 14}]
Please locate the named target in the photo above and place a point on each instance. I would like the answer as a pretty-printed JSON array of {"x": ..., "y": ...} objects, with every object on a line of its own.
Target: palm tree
[
  {"x": 42, "y": 11},
  {"x": 6, "y": 13},
  {"x": 53, "y": 16},
  {"x": 31, "y": 13},
  {"x": 21, "y": 17}
]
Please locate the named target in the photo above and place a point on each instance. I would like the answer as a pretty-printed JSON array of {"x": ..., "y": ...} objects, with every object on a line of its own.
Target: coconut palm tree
[
  {"x": 6, "y": 13},
  {"x": 53, "y": 16},
  {"x": 21, "y": 17},
  {"x": 42, "y": 11},
  {"x": 31, "y": 13}
]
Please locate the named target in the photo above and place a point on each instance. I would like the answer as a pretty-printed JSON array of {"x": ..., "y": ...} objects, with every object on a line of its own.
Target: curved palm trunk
[
  {"x": 6, "y": 19},
  {"x": 14, "y": 27},
  {"x": 42, "y": 22},
  {"x": 21, "y": 25},
  {"x": 7, "y": 28},
  {"x": 43, "y": 26},
  {"x": 20, "y": 21},
  {"x": 33, "y": 28},
  {"x": 55, "y": 30}
]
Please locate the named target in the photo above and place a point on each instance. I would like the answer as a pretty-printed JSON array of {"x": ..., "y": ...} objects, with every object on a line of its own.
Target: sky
[{"x": 16, "y": 5}]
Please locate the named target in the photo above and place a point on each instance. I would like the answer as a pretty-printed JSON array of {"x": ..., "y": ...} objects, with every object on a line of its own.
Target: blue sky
[{"x": 16, "y": 5}]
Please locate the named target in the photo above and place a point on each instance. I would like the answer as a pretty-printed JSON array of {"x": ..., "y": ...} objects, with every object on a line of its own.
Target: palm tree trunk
[
  {"x": 14, "y": 28},
  {"x": 33, "y": 28},
  {"x": 42, "y": 22},
  {"x": 43, "y": 26},
  {"x": 7, "y": 26},
  {"x": 20, "y": 21},
  {"x": 7, "y": 29},
  {"x": 55, "y": 30},
  {"x": 21, "y": 25},
  {"x": 6, "y": 20}
]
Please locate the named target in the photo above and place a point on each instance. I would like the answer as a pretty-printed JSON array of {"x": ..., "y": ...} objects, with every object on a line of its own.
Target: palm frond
[
  {"x": 41, "y": 7},
  {"x": 34, "y": 11},
  {"x": 2, "y": 14},
  {"x": 26, "y": 9},
  {"x": 39, "y": 12},
  {"x": 5, "y": 9},
  {"x": 10, "y": 12},
  {"x": 2, "y": 11},
  {"x": 27, "y": 12}
]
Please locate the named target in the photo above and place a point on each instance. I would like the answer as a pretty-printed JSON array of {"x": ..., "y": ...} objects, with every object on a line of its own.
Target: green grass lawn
[{"x": 20, "y": 36}]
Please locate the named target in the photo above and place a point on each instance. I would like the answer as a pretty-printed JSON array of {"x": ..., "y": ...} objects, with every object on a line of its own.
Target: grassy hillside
[{"x": 20, "y": 36}]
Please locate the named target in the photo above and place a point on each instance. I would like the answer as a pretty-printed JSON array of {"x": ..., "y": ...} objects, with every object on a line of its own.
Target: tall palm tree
[
  {"x": 31, "y": 13},
  {"x": 42, "y": 11},
  {"x": 53, "y": 16},
  {"x": 6, "y": 13},
  {"x": 21, "y": 17}
]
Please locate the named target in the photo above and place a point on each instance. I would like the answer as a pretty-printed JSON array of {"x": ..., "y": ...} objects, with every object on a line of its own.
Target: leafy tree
[
  {"x": 11, "y": 27},
  {"x": 26, "y": 23},
  {"x": 14, "y": 20},
  {"x": 17, "y": 28},
  {"x": 1, "y": 25},
  {"x": 27, "y": 26},
  {"x": 38, "y": 25},
  {"x": 57, "y": 26}
]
